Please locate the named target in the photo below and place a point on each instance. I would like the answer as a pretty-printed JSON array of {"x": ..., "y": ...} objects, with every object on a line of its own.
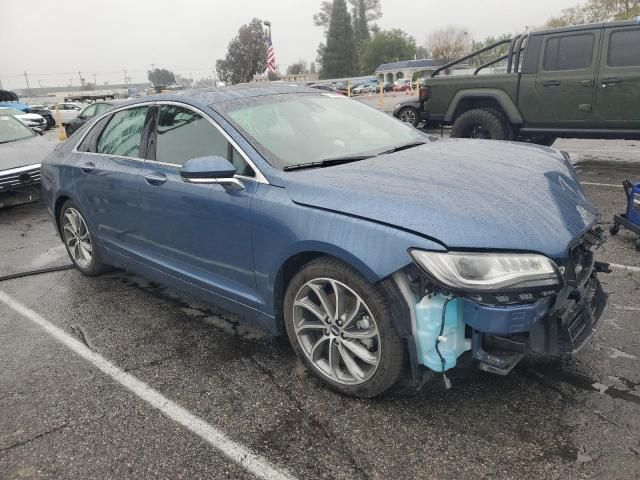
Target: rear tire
[
  {"x": 482, "y": 123},
  {"x": 79, "y": 241},
  {"x": 351, "y": 344},
  {"x": 638, "y": 245},
  {"x": 409, "y": 115},
  {"x": 614, "y": 229},
  {"x": 68, "y": 130}
]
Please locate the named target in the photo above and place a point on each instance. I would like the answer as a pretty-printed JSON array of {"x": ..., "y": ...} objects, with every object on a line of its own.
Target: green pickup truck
[{"x": 580, "y": 82}]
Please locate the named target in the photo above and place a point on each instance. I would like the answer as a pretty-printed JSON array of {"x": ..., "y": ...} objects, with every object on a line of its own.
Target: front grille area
[{"x": 19, "y": 178}]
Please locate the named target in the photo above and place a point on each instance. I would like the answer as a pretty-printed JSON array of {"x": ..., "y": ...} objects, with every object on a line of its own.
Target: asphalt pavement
[{"x": 67, "y": 415}]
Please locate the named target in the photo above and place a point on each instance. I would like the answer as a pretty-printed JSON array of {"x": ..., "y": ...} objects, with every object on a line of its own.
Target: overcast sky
[{"x": 53, "y": 40}]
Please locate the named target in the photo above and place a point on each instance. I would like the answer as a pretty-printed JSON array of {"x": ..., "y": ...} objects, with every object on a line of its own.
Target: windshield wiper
[
  {"x": 406, "y": 146},
  {"x": 327, "y": 162}
]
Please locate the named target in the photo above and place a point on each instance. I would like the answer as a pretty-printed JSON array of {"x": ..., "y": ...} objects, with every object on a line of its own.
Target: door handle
[
  {"x": 610, "y": 81},
  {"x": 88, "y": 167},
  {"x": 551, "y": 83},
  {"x": 155, "y": 179},
  {"x": 587, "y": 83}
]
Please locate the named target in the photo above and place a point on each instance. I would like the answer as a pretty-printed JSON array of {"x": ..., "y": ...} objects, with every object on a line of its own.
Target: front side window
[
  {"x": 624, "y": 48},
  {"x": 295, "y": 129},
  {"x": 123, "y": 133},
  {"x": 184, "y": 134},
  {"x": 574, "y": 52}
]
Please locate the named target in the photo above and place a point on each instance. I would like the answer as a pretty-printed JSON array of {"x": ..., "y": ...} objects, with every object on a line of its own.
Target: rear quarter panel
[{"x": 444, "y": 89}]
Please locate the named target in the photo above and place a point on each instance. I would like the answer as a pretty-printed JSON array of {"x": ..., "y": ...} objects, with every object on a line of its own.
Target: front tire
[
  {"x": 340, "y": 326},
  {"x": 481, "y": 123},
  {"x": 78, "y": 240}
]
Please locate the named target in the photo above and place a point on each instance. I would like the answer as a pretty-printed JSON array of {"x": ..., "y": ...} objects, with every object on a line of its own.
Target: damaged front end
[{"x": 498, "y": 306}]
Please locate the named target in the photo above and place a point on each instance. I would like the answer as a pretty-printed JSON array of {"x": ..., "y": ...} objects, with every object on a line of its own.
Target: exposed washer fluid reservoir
[{"x": 428, "y": 323}]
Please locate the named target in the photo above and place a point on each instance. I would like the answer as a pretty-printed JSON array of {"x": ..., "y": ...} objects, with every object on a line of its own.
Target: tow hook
[{"x": 602, "y": 267}]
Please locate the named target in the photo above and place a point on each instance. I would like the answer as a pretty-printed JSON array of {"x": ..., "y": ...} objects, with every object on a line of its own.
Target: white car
[
  {"x": 68, "y": 111},
  {"x": 31, "y": 120}
]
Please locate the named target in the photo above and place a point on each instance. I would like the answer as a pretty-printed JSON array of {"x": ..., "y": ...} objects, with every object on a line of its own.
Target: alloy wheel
[
  {"x": 76, "y": 236},
  {"x": 408, "y": 116},
  {"x": 336, "y": 331},
  {"x": 479, "y": 132}
]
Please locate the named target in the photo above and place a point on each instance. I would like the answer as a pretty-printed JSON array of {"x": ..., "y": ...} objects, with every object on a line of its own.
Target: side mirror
[{"x": 209, "y": 170}]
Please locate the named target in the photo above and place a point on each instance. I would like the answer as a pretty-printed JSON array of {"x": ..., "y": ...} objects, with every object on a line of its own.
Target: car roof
[{"x": 588, "y": 26}]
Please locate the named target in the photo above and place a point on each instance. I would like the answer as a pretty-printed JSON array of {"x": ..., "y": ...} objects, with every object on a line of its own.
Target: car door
[
  {"x": 618, "y": 83},
  {"x": 200, "y": 233},
  {"x": 565, "y": 80},
  {"x": 109, "y": 176}
]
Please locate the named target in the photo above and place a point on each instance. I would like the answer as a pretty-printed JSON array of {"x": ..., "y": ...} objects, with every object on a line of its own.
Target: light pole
[{"x": 267, "y": 24}]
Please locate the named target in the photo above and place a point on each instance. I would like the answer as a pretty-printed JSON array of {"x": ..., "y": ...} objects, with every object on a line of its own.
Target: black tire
[
  {"x": 614, "y": 229},
  {"x": 68, "y": 130},
  {"x": 95, "y": 266},
  {"x": 638, "y": 245},
  {"x": 482, "y": 123},
  {"x": 409, "y": 115},
  {"x": 392, "y": 347}
]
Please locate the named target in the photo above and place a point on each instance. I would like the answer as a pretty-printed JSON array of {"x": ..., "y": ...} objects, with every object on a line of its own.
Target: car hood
[
  {"x": 465, "y": 194},
  {"x": 24, "y": 152}
]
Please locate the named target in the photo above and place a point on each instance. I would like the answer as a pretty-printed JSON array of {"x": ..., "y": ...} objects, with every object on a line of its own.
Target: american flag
[{"x": 271, "y": 57}]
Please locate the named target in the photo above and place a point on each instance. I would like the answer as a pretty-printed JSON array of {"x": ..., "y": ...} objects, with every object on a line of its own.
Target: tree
[
  {"x": 448, "y": 43},
  {"x": 372, "y": 9},
  {"x": 246, "y": 54},
  {"x": 161, "y": 77},
  {"x": 492, "y": 54},
  {"x": 338, "y": 57},
  {"x": 386, "y": 47},
  {"x": 422, "y": 52},
  {"x": 594, "y": 11},
  {"x": 298, "y": 68}
]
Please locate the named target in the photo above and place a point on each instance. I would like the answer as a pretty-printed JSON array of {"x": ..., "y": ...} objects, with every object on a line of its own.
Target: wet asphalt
[{"x": 60, "y": 417}]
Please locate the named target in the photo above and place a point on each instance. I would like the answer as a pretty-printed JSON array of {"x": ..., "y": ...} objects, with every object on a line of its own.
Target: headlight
[{"x": 483, "y": 272}]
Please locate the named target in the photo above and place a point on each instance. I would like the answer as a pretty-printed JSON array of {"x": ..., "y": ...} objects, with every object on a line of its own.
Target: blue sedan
[{"x": 380, "y": 252}]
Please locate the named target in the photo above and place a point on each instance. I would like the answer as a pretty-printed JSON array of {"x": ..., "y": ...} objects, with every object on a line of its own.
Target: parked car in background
[
  {"x": 31, "y": 120},
  {"x": 327, "y": 88},
  {"x": 68, "y": 111},
  {"x": 580, "y": 81},
  {"x": 21, "y": 152},
  {"x": 402, "y": 85},
  {"x": 375, "y": 249},
  {"x": 45, "y": 112},
  {"x": 88, "y": 113}
]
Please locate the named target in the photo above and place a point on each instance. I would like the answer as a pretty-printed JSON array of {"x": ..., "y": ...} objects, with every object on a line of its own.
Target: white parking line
[
  {"x": 612, "y": 185},
  {"x": 234, "y": 451}
]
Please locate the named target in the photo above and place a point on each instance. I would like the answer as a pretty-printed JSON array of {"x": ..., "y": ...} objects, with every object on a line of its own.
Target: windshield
[
  {"x": 12, "y": 130},
  {"x": 10, "y": 111},
  {"x": 294, "y": 129}
]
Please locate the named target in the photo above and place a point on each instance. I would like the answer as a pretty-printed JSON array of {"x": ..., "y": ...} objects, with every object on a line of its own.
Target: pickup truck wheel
[
  {"x": 341, "y": 327},
  {"x": 483, "y": 124},
  {"x": 409, "y": 115}
]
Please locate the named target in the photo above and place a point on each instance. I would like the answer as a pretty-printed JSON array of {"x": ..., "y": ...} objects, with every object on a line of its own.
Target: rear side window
[
  {"x": 123, "y": 133},
  {"x": 574, "y": 52},
  {"x": 184, "y": 134},
  {"x": 624, "y": 48}
]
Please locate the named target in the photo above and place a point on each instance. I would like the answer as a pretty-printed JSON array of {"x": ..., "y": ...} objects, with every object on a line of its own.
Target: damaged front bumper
[{"x": 497, "y": 335}]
